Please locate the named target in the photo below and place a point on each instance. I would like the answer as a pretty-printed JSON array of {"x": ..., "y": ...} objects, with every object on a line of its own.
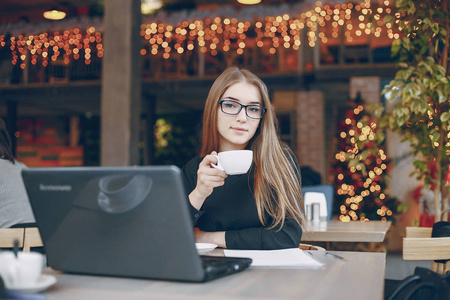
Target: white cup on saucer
[
  {"x": 234, "y": 162},
  {"x": 20, "y": 272}
]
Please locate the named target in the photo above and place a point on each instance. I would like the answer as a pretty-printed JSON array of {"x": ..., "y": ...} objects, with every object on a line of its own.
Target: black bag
[
  {"x": 441, "y": 229},
  {"x": 424, "y": 284}
]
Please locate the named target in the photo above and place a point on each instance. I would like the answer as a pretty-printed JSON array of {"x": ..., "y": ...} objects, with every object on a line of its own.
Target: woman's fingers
[
  {"x": 206, "y": 168},
  {"x": 208, "y": 177},
  {"x": 209, "y": 159},
  {"x": 211, "y": 181}
]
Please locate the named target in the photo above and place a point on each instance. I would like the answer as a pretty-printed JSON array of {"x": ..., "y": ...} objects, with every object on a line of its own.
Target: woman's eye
[{"x": 254, "y": 108}]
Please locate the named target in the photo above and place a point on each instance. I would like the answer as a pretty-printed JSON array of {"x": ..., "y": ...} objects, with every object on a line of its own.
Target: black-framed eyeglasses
[{"x": 231, "y": 107}]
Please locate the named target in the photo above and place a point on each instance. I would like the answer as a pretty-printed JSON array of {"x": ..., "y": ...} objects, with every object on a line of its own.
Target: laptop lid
[{"x": 118, "y": 221}]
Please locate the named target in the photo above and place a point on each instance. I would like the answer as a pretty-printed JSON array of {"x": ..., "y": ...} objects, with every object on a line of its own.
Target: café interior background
[{"x": 316, "y": 58}]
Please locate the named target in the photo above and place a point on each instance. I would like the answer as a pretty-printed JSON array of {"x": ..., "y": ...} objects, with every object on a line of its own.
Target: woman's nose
[{"x": 242, "y": 115}]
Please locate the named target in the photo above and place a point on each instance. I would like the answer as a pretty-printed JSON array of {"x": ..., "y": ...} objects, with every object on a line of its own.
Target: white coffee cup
[
  {"x": 22, "y": 271},
  {"x": 234, "y": 162}
]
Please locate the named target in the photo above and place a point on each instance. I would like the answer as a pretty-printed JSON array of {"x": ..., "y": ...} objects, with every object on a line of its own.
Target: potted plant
[{"x": 419, "y": 94}]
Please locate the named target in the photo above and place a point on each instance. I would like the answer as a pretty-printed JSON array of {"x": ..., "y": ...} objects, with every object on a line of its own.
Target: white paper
[{"x": 293, "y": 257}]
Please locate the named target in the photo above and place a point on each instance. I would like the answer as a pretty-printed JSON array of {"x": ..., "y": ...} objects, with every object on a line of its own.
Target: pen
[
  {"x": 336, "y": 256},
  {"x": 309, "y": 253}
]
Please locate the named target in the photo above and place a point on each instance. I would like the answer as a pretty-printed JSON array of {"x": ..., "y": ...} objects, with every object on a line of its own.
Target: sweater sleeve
[{"x": 289, "y": 236}]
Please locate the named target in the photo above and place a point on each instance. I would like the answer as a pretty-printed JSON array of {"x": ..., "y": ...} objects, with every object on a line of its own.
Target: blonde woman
[{"x": 262, "y": 209}]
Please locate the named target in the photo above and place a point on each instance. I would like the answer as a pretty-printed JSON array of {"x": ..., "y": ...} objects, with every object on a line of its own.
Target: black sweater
[{"x": 232, "y": 208}]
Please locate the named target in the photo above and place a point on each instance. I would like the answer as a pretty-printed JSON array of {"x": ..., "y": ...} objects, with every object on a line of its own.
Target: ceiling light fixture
[
  {"x": 150, "y": 6},
  {"x": 249, "y": 1},
  {"x": 54, "y": 14}
]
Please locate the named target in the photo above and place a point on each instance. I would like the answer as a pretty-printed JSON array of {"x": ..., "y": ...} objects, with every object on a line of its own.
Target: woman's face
[{"x": 235, "y": 131}]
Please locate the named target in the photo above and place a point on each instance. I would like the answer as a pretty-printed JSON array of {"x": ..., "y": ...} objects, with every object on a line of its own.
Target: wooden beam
[{"x": 121, "y": 83}]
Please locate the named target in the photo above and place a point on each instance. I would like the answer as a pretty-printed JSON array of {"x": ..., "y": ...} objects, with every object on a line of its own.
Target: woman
[
  {"x": 262, "y": 209},
  {"x": 14, "y": 205}
]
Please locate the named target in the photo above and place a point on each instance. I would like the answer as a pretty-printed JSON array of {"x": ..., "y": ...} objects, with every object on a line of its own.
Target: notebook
[{"x": 120, "y": 221}]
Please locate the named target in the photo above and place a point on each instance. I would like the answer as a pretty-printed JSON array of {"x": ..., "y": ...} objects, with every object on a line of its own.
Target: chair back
[
  {"x": 27, "y": 238},
  {"x": 327, "y": 190},
  {"x": 419, "y": 245},
  {"x": 8, "y": 235}
]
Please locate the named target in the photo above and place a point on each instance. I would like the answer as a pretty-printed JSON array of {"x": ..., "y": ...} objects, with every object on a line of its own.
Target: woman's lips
[{"x": 238, "y": 129}]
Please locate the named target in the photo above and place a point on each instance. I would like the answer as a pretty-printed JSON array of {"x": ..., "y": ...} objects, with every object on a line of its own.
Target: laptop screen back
[{"x": 119, "y": 221}]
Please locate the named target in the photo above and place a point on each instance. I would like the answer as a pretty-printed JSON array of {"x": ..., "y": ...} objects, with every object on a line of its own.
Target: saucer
[
  {"x": 43, "y": 283},
  {"x": 203, "y": 248}
]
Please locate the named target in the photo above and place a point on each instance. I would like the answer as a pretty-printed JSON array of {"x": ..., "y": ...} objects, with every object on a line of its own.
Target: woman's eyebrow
[{"x": 235, "y": 99}]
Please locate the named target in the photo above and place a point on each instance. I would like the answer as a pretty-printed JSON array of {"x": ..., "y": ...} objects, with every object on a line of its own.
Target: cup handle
[{"x": 218, "y": 166}]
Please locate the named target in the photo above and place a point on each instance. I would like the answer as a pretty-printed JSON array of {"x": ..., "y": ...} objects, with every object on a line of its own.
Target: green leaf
[
  {"x": 430, "y": 60},
  {"x": 405, "y": 111},
  {"x": 441, "y": 70},
  {"x": 352, "y": 163},
  {"x": 392, "y": 123},
  {"x": 383, "y": 123},
  {"x": 403, "y": 65},
  {"x": 412, "y": 9},
  {"x": 445, "y": 116},
  {"x": 415, "y": 106},
  {"x": 432, "y": 84},
  {"x": 388, "y": 19},
  {"x": 435, "y": 136},
  {"x": 428, "y": 67},
  {"x": 428, "y": 22},
  {"x": 395, "y": 47},
  {"x": 441, "y": 96},
  {"x": 378, "y": 112},
  {"x": 423, "y": 107},
  {"x": 435, "y": 29}
]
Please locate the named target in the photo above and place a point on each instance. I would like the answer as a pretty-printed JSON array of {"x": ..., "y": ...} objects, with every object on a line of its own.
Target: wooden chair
[
  {"x": 27, "y": 237},
  {"x": 419, "y": 245}
]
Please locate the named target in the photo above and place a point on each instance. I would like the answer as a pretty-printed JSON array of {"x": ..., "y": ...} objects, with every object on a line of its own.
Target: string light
[
  {"x": 354, "y": 187},
  {"x": 212, "y": 35}
]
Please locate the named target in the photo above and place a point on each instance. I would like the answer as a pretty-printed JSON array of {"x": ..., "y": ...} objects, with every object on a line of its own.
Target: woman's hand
[
  {"x": 208, "y": 178},
  {"x": 217, "y": 237}
]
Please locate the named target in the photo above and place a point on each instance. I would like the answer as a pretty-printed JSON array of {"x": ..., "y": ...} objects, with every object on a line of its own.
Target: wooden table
[
  {"x": 337, "y": 231},
  {"x": 361, "y": 276}
]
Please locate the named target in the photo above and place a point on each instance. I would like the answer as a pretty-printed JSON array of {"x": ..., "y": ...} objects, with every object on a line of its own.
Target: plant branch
[
  {"x": 444, "y": 60},
  {"x": 438, "y": 179}
]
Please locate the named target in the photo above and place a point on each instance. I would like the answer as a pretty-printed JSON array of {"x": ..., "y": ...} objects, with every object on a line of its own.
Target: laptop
[{"x": 120, "y": 221}]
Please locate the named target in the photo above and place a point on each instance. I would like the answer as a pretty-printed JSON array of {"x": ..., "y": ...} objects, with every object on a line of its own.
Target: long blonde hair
[{"x": 277, "y": 187}]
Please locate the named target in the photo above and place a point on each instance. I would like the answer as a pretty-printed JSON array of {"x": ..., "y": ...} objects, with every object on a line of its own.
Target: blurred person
[
  {"x": 14, "y": 204},
  {"x": 262, "y": 209}
]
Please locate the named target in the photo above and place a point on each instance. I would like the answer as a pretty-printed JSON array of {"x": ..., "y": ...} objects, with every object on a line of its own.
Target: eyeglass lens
[{"x": 233, "y": 108}]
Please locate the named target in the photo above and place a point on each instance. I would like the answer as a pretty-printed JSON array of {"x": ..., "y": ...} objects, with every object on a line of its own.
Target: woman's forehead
[{"x": 243, "y": 92}]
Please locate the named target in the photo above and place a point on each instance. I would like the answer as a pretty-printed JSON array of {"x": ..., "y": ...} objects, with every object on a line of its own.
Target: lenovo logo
[{"x": 55, "y": 188}]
